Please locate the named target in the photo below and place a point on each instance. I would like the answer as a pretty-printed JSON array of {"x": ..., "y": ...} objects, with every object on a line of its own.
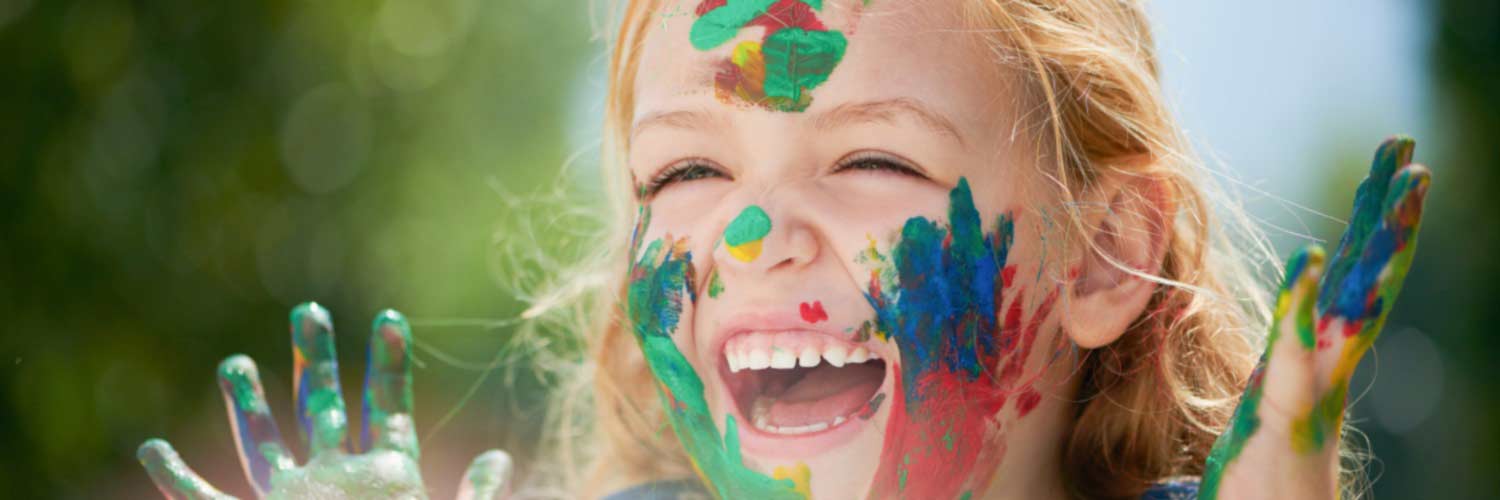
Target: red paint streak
[
  {"x": 708, "y": 5},
  {"x": 1028, "y": 401},
  {"x": 813, "y": 313},
  {"x": 788, "y": 14},
  {"x": 956, "y": 431}
]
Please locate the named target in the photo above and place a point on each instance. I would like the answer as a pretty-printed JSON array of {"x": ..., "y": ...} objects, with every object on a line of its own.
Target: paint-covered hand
[
  {"x": 387, "y": 468},
  {"x": 1283, "y": 439}
]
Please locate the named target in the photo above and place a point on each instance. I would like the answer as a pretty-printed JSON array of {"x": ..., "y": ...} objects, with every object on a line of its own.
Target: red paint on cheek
[
  {"x": 956, "y": 431},
  {"x": 813, "y": 313},
  {"x": 1027, "y": 402}
]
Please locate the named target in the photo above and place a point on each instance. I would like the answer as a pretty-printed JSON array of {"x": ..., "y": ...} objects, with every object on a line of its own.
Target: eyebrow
[
  {"x": 888, "y": 111},
  {"x": 680, "y": 119},
  {"x": 885, "y": 110}
]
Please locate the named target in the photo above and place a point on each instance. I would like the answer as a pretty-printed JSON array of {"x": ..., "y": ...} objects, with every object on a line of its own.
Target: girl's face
[{"x": 866, "y": 297}]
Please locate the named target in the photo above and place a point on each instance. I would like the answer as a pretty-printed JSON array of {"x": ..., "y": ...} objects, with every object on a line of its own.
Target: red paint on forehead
[
  {"x": 782, "y": 14},
  {"x": 708, "y": 5}
]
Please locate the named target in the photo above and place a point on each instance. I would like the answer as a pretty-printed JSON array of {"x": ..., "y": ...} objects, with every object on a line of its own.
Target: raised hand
[
  {"x": 1283, "y": 439},
  {"x": 387, "y": 467}
]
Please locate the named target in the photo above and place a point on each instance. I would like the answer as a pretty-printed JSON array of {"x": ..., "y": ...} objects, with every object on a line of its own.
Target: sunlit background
[{"x": 175, "y": 175}]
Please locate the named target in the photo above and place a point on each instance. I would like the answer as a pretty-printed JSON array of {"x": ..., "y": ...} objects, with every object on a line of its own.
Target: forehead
[{"x": 914, "y": 49}]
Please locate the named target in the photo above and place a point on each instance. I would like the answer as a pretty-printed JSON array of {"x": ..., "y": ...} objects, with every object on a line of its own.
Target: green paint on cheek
[
  {"x": 749, "y": 226},
  {"x": 715, "y": 285},
  {"x": 660, "y": 282}
]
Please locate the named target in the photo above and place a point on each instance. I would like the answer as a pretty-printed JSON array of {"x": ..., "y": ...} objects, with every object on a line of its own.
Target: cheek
[{"x": 951, "y": 298}]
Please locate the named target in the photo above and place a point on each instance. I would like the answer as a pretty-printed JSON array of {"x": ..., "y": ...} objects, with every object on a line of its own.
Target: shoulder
[
  {"x": 1185, "y": 488},
  {"x": 680, "y": 489},
  {"x": 1180, "y": 488}
]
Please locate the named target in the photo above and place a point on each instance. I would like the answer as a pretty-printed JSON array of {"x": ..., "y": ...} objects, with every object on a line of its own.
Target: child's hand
[
  {"x": 1283, "y": 439},
  {"x": 387, "y": 468}
]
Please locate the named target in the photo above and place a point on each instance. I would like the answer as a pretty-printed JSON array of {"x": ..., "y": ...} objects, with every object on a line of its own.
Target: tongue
[{"x": 825, "y": 392}]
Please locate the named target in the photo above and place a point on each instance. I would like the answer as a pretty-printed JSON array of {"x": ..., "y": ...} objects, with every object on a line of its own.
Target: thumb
[{"x": 488, "y": 477}]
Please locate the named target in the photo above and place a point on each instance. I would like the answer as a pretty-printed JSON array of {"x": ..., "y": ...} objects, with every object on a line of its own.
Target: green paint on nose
[{"x": 749, "y": 226}]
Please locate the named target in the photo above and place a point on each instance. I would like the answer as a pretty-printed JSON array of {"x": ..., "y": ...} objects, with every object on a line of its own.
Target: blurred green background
[{"x": 175, "y": 175}]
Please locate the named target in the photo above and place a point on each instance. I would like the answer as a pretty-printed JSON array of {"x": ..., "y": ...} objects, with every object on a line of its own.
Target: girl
[{"x": 910, "y": 249}]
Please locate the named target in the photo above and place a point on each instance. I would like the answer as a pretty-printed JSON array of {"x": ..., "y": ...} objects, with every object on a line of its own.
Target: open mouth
[{"x": 801, "y": 383}]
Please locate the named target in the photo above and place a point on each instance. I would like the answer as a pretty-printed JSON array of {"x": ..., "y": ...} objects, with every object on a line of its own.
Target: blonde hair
[{"x": 1150, "y": 403}]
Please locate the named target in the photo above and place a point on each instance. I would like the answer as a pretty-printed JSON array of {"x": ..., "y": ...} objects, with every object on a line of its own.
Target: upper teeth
[{"x": 761, "y": 357}]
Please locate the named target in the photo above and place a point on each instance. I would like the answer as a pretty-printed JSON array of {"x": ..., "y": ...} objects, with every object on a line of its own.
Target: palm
[
  {"x": 1283, "y": 439},
  {"x": 387, "y": 468}
]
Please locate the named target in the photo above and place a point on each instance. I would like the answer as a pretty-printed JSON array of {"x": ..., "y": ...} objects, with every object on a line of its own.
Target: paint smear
[
  {"x": 796, "y": 54},
  {"x": 799, "y": 475},
  {"x": 315, "y": 375},
  {"x": 939, "y": 295},
  {"x": 715, "y": 284},
  {"x": 813, "y": 313},
  {"x": 1361, "y": 281},
  {"x": 745, "y": 234},
  {"x": 660, "y": 281}
]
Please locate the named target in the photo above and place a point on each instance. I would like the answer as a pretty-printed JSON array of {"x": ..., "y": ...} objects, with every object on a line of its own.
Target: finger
[
  {"x": 320, "y": 403},
  {"x": 173, "y": 477},
  {"x": 1285, "y": 367},
  {"x": 1369, "y": 202},
  {"x": 1292, "y": 401},
  {"x": 1368, "y": 291},
  {"x": 255, "y": 435},
  {"x": 388, "y": 392},
  {"x": 488, "y": 477}
]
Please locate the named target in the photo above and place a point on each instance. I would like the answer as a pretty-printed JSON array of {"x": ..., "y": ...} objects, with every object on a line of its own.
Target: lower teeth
[{"x": 762, "y": 407}]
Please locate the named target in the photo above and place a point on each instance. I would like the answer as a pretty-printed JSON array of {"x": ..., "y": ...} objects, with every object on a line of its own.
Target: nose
[{"x": 766, "y": 237}]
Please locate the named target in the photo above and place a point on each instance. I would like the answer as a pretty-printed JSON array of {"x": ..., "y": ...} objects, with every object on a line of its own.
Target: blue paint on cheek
[{"x": 943, "y": 313}]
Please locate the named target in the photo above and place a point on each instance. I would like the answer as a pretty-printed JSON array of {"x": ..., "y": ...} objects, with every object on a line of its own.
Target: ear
[{"x": 1129, "y": 238}]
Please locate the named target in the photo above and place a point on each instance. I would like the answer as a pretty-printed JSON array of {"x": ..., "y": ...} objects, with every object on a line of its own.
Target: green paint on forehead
[
  {"x": 795, "y": 54},
  {"x": 721, "y": 24},
  {"x": 749, "y": 226}
]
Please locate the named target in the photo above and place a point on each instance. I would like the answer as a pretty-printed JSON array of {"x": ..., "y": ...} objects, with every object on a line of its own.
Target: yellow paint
[
  {"x": 800, "y": 476},
  {"x": 747, "y": 252},
  {"x": 745, "y": 53}
]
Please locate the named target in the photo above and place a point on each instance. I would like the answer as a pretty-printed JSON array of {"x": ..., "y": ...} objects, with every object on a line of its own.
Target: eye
[
  {"x": 687, "y": 170},
  {"x": 870, "y": 161}
]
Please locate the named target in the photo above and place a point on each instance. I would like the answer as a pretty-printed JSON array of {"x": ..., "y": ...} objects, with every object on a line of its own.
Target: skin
[
  {"x": 386, "y": 467},
  {"x": 818, "y": 248},
  {"x": 836, "y": 236},
  {"x": 943, "y": 269}
]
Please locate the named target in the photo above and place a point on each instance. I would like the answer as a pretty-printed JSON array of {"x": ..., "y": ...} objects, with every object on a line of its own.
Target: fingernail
[
  {"x": 152, "y": 451},
  {"x": 1297, "y": 266},
  {"x": 391, "y": 334},
  {"x": 1397, "y": 149},
  {"x": 309, "y": 321}
]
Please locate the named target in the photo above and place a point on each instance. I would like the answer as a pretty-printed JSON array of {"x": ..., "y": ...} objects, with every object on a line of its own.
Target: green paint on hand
[{"x": 1297, "y": 295}]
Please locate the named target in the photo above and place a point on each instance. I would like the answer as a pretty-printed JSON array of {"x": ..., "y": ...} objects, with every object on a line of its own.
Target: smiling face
[{"x": 842, "y": 286}]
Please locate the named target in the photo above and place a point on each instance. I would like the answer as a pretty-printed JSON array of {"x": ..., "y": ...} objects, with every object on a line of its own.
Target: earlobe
[{"x": 1128, "y": 242}]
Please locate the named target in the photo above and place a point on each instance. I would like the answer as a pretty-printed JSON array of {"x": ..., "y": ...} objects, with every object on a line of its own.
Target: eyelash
[
  {"x": 693, "y": 169},
  {"x": 877, "y": 162},
  {"x": 690, "y": 169}
]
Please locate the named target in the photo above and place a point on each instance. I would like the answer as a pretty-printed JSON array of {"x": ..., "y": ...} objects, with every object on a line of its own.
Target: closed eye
[
  {"x": 686, "y": 170},
  {"x": 876, "y": 162}
]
